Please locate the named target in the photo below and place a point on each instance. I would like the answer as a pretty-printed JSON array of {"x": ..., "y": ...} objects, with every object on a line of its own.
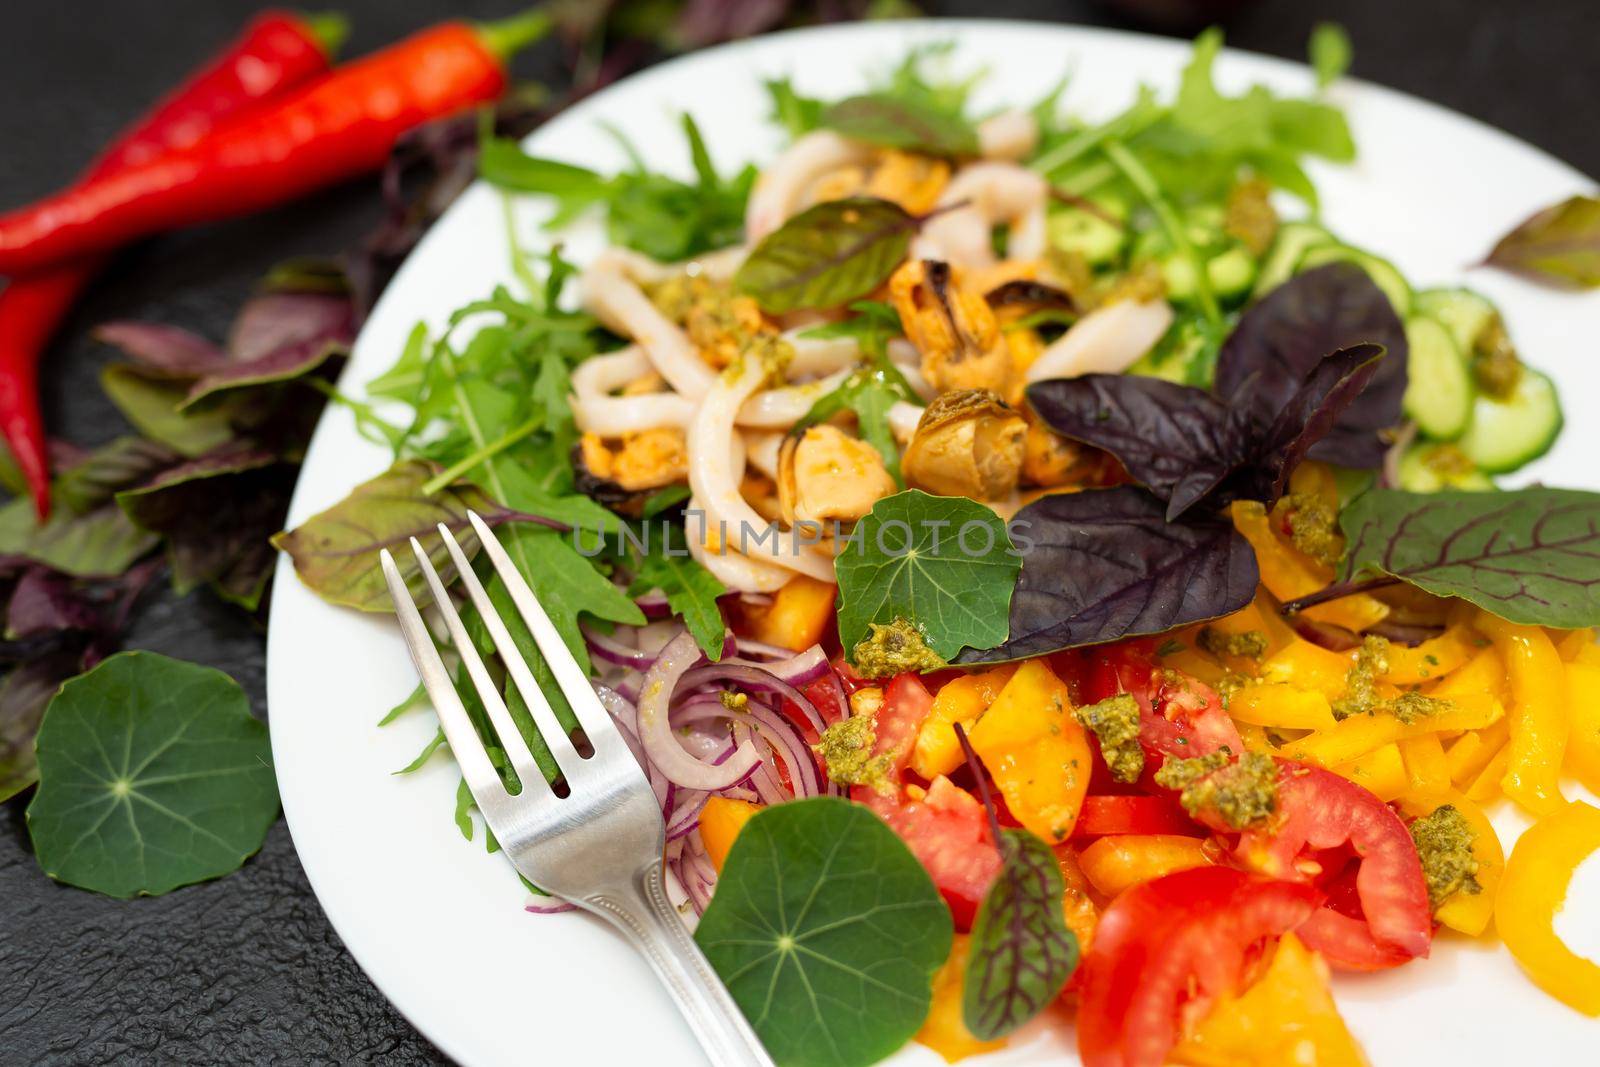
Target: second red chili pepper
[
  {"x": 276, "y": 51},
  {"x": 343, "y": 125}
]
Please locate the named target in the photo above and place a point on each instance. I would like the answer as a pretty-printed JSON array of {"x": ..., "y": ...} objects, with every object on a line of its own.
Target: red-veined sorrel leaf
[
  {"x": 827, "y": 255},
  {"x": 898, "y": 122}
]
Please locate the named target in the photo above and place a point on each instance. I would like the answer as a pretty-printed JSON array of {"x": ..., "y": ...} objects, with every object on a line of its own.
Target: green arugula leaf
[
  {"x": 1330, "y": 52},
  {"x": 1530, "y": 555},
  {"x": 152, "y": 774},
  {"x": 1022, "y": 952},
  {"x": 827, "y": 932},
  {"x": 1558, "y": 246},
  {"x": 417, "y": 698},
  {"x": 945, "y": 564},
  {"x": 900, "y": 122},
  {"x": 797, "y": 114},
  {"x": 435, "y": 743},
  {"x": 871, "y": 390},
  {"x": 827, "y": 255},
  {"x": 691, "y": 590},
  {"x": 662, "y": 217}
]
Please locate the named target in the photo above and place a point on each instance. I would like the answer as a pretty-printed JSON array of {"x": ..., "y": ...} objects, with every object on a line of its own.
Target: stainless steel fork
[{"x": 600, "y": 847}]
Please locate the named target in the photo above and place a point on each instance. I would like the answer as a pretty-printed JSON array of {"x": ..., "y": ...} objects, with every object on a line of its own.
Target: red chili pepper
[
  {"x": 341, "y": 126},
  {"x": 275, "y": 52}
]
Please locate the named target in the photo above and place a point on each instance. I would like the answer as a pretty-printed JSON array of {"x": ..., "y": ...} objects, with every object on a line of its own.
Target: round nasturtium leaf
[
  {"x": 827, "y": 932},
  {"x": 152, "y": 774}
]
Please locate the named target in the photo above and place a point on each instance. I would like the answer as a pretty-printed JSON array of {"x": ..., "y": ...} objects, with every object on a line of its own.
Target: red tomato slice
[
  {"x": 1166, "y": 950},
  {"x": 1105, "y": 815},
  {"x": 1178, "y": 715},
  {"x": 1318, "y": 809},
  {"x": 829, "y": 700},
  {"x": 947, "y": 828}
]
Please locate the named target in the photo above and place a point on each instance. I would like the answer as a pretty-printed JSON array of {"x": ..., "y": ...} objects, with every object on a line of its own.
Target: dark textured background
[{"x": 246, "y": 970}]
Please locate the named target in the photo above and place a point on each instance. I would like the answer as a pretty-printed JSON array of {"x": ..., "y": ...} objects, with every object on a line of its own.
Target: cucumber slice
[
  {"x": 1231, "y": 272},
  {"x": 1381, "y": 271},
  {"x": 1439, "y": 389},
  {"x": 1430, "y": 468},
  {"x": 1463, "y": 312},
  {"x": 1177, "y": 271},
  {"x": 1505, "y": 434},
  {"x": 1098, "y": 240},
  {"x": 1293, "y": 239}
]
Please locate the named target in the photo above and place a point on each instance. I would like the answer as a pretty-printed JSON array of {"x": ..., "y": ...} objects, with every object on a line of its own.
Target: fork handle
[{"x": 648, "y": 919}]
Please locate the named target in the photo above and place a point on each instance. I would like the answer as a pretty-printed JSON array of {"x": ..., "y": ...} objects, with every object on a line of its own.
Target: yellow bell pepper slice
[
  {"x": 720, "y": 822},
  {"x": 1288, "y": 1017},
  {"x": 1533, "y": 890},
  {"x": 1576, "y": 646},
  {"x": 1491, "y": 781},
  {"x": 1114, "y": 863},
  {"x": 1471, "y": 752},
  {"x": 1425, "y": 763},
  {"x": 1360, "y": 734},
  {"x": 1281, "y": 705},
  {"x": 960, "y": 700},
  {"x": 1431, "y": 660},
  {"x": 797, "y": 618},
  {"x": 1538, "y": 719},
  {"x": 1381, "y": 772},
  {"x": 1583, "y": 715},
  {"x": 1288, "y": 574},
  {"x": 945, "y": 1029},
  {"x": 1485, "y": 672},
  {"x": 1468, "y": 913},
  {"x": 1308, "y": 666},
  {"x": 1255, "y": 739},
  {"x": 1036, "y": 751}
]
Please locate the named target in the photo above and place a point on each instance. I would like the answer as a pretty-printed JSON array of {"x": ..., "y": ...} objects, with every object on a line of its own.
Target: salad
[{"x": 1043, "y": 572}]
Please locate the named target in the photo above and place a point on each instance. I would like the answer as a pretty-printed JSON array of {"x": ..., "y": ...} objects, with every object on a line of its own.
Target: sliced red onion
[
  {"x": 610, "y": 650},
  {"x": 555, "y": 908},
  {"x": 653, "y": 604},
  {"x": 760, "y": 649},
  {"x": 626, "y": 717},
  {"x": 752, "y": 677},
  {"x": 655, "y": 725},
  {"x": 782, "y": 737}
]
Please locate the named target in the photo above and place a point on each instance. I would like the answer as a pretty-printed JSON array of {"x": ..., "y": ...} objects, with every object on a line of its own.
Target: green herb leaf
[
  {"x": 691, "y": 590},
  {"x": 1531, "y": 556},
  {"x": 1559, "y": 246},
  {"x": 944, "y": 562},
  {"x": 827, "y": 255},
  {"x": 152, "y": 774},
  {"x": 1330, "y": 52},
  {"x": 335, "y": 552},
  {"x": 827, "y": 932},
  {"x": 152, "y": 404},
  {"x": 87, "y": 535},
  {"x": 901, "y": 122},
  {"x": 1022, "y": 952}
]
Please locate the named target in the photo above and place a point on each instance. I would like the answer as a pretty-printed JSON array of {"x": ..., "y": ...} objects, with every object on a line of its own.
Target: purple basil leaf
[
  {"x": 276, "y": 320},
  {"x": 1559, "y": 246},
  {"x": 278, "y": 337},
  {"x": 217, "y": 514},
  {"x": 46, "y": 602},
  {"x": 1168, "y": 436},
  {"x": 169, "y": 349},
  {"x": 1105, "y": 564},
  {"x": 1327, "y": 392},
  {"x": 1283, "y": 337},
  {"x": 24, "y": 693}
]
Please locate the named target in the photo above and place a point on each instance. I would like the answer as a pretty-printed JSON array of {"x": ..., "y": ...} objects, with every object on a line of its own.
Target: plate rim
[{"x": 434, "y": 1029}]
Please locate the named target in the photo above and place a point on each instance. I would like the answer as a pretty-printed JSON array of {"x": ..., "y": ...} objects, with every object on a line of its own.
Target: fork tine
[
  {"x": 516, "y": 748},
  {"x": 574, "y": 683},
  {"x": 464, "y": 743},
  {"x": 544, "y": 717}
]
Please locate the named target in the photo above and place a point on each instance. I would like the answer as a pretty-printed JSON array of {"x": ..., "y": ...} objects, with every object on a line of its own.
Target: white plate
[{"x": 439, "y": 925}]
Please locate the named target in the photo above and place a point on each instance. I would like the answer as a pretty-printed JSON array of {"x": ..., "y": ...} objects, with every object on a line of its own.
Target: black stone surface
[{"x": 246, "y": 970}]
